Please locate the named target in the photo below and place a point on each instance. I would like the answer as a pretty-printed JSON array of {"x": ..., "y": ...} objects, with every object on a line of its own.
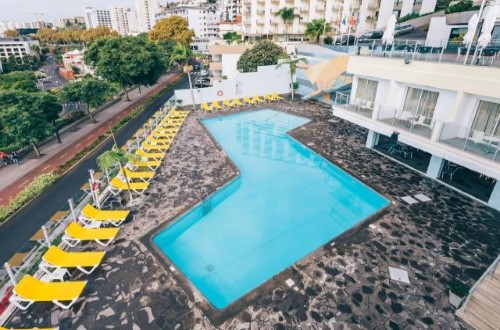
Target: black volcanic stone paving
[{"x": 343, "y": 286}]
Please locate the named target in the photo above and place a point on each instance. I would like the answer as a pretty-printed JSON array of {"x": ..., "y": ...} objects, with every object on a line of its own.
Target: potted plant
[{"x": 457, "y": 292}]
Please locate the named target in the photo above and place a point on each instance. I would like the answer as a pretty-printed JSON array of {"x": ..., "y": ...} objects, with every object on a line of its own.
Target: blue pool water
[{"x": 287, "y": 202}]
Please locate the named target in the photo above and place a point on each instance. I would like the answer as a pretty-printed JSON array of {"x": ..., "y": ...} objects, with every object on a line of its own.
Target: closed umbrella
[
  {"x": 471, "y": 29},
  {"x": 388, "y": 37},
  {"x": 489, "y": 24}
]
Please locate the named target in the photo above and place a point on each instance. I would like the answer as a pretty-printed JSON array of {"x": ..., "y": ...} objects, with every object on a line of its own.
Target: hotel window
[
  {"x": 366, "y": 90},
  {"x": 421, "y": 102},
  {"x": 487, "y": 118}
]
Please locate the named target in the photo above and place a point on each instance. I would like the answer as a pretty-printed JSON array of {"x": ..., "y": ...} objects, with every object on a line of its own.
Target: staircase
[{"x": 481, "y": 310}]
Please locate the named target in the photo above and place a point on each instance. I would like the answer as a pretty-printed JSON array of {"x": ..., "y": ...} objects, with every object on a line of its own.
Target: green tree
[
  {"x": 111, "y": 158},
  {"x": 316, "y": 28},
  {"x": 91, "y": 91},
  {"x": 19, "y": 80},
  {"x": 51, "y": 107},
  {"x": 231, "y": 36},
  {"x": 23, "y": 120},
  {"x": 263, "y": 53},
  {"x": 293, "y": 64},
  {"x": 287, "y": 14},
  {"x": 174, "y": 28},
  {"x": 180, "y": 56},
  {"x": 10, "y": 33},
  {"x": 126, "y": 61}
]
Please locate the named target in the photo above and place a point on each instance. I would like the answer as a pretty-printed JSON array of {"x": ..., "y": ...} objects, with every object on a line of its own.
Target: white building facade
[
  {"x": 146, "y": 11},
  {"x": 124, "y": 21},
  {"x": 203, "y": 20},
  {"x": 448, "y": 113},
  {"x": 17, "y": 47},
  {"x": 96, "y": 17},
  {"x": 229, "y": 10},
  {"x": 345, "y": 16}
]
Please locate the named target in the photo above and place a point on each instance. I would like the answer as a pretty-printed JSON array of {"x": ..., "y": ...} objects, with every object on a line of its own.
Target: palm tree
[
  {"x": 180, "y": 55},
  {"x": 287, "y": 15},
  {"x": 293, "y": 63},
  {"x": 111, "y": 158},
  {"x": 316, "y": 28}
]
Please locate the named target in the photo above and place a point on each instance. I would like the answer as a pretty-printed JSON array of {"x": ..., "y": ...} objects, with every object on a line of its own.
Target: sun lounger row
[
  {"x": 151, "y": 151},
  {"x": 228, "y": 104},
  {"x": 56, "y": 261}
]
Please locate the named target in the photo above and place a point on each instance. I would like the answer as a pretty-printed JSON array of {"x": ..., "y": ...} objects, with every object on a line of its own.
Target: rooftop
[{"x": 345, "y": 284}]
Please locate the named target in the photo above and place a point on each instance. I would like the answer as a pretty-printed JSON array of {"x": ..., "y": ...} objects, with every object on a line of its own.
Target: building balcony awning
[{"x": 325, "y": 74}]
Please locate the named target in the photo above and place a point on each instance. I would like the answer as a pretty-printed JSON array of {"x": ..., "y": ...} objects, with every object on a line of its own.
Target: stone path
[{"x": 340, "y": 286}]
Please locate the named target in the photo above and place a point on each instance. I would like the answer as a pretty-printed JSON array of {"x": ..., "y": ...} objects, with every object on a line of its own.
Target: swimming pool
[{"x": 287, "y": 202}]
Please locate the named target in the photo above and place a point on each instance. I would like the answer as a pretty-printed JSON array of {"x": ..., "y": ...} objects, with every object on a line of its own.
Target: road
[
  {"x": 52, "y": 70},
  {"x": 20, "y": 228}
]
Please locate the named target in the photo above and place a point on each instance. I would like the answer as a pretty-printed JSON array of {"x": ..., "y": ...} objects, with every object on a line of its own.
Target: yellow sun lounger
[
  {"x": 56, "y": 258},
  {"x": 166, "y": 130},
  {"x": 154, "y": 147},
  {"x": 165, "y": 141},
  {"x": 248, "y": 100},
  {"x": 117, "y": 185},
  {"x": 228, "y": 104},
  {"x": 258, "y": 99},
  {"x": 269, "y": 97},
  {"x": 75, "y": 234},
  {"x": 150, "y": 155},
  {"x": 30, "y": 290},
  {"x": 216, "y": 105},
  {"x": 180, "y": 114},
  {"x": 205, "y": 106},
  {"x": 2, "y": 328},
  {"x": 158, "y": 134},
  {"x": 277, "y": 97},
  {"x": 114, "y": 217},
  {"x": 151, "y": 164},
  {"x": 144, "y": 176},
  {"x": 238, "y": 102}
]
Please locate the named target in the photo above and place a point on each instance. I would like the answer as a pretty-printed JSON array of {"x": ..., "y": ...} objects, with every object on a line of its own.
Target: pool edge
[{"x": 219, "y": 316}]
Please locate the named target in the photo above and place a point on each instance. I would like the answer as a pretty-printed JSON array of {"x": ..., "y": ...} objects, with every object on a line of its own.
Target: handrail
[{"x": 488, "y": 271}]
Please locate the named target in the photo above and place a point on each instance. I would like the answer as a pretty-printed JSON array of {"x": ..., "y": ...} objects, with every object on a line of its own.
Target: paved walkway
[{"x": 13, "y": 178}]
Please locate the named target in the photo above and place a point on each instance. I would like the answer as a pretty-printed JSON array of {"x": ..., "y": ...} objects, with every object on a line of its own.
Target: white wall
[
  {"x": 229, "y": 63},
  {"x": 267, "y": 79},
  {"x": 406, "y": 8},
  {"x": 428, "y": 6},
  {"x": 385, "y": 12},
  {"x": 444, "y": 105},
  {"x": 439, "y": 32}
]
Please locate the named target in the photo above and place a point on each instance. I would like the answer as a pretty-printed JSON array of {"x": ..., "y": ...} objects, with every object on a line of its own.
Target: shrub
[
  {"x": 408, "y": 17},
  {"x": 462, "y": 5},
  {"x": 29, "y": 192}
]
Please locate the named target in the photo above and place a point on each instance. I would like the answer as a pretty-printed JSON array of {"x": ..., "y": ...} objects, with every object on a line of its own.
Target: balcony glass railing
[
  {"x": 474, "y": 141},
  {"x": 407, "y": 120},
  {"x": 360, "y": 106}
]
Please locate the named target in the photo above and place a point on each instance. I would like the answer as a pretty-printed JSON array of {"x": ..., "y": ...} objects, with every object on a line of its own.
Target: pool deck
[{"x": 341, "y": 286}]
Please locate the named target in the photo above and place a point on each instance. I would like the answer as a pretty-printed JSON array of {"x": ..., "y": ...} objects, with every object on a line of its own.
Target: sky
[{"x": 25, "y": 10}]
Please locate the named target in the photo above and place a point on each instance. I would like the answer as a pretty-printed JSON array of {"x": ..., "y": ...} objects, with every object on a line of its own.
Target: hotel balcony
[
  {"x": 320, "y": 7},
  {"x": 304, "y": 9},
  {"x": 374, "y": 5}
]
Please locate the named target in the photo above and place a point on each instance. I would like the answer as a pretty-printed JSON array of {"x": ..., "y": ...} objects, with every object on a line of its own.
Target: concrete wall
[
  {"x": 229, "y": 62},
  {"x": 439, "y": 32},
  {"x": 428, "y": 6},
  {"x": 267, "y": 79}
]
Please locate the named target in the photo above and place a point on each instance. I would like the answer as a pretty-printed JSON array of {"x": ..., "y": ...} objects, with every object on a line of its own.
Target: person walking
[
  {"x": 14, "y": 157},
  {"x": 4, "y": 157}
]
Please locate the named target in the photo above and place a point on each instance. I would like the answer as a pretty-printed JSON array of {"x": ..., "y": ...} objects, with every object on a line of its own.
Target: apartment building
[
  {"x": 64, "y": 22},
  {"x": 203, "y": 20},
  {"x": 96, "y": 17},
  {"x": 124, "y": 21},
  {"x": 447, "y": 117},
  {"x": 229, "y": 10},
  {"x": 17, "y": 47},
  {"x": 346, "y": 16},
  {"x": 146, "y": 11},
  {"x": 224, "y": 60}
]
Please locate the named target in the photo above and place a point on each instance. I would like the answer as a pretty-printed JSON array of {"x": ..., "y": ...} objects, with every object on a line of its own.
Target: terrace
[{"x": 345, "y": 283}]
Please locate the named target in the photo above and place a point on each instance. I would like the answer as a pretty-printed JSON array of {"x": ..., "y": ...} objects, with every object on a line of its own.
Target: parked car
[
  {"x": 403, "y": 29},
  {"x": 196, "y": 67},
  {"x": 370, "y": 36},
  {"x": 203, "y": 82},
  {"x": 345, "y": 40}
]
